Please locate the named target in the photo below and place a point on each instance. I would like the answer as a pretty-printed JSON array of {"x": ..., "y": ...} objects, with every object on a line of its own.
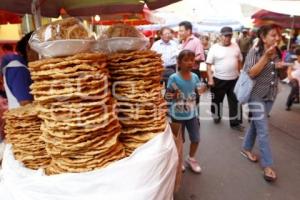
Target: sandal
[
  {"x": 269, "y": 174},
  {"x": 250, "y": 156}
]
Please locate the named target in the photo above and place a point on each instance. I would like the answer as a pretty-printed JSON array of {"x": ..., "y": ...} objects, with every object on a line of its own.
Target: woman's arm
[
  {"x": 262, "y": 62},
  {"x": 258, "y": 67}
]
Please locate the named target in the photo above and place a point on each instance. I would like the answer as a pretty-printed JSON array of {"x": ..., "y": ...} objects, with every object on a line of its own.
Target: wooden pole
[{"x": 36, "y": 12}]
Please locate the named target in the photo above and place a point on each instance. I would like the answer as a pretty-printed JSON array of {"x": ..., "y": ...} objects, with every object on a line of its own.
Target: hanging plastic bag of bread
[
  {"x": 122, "y": 38},
  {"x": 62, "y": 38}
]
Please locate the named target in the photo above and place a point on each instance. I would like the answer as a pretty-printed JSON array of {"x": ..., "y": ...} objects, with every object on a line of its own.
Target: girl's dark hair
[
  {"x": 262, "y": 32},
  {"x": 22, "y": 44},
  {"x": 185, "y": 53}
]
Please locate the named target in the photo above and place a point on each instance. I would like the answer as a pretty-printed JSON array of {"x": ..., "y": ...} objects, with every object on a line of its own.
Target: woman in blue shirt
[{"x": 16, "y": 75}]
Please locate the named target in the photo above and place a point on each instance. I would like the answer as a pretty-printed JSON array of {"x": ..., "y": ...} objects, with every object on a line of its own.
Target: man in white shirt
[
  {"x": 226, "y": 58},
  {"x": 169, "y": 51}
]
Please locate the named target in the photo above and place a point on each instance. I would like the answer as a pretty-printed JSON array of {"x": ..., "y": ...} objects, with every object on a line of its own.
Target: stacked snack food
[
  {"x": 79, "y": 126},
  {"x": 81, "y": 130},
  {"x": 23, "y": 131},
  {"x": 136, "y": 86}
]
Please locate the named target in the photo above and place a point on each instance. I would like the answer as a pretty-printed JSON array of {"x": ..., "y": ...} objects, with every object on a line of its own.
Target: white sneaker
[{"x": 194, "y": 165}]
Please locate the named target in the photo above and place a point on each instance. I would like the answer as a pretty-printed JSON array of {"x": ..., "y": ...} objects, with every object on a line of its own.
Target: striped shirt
[{"x": 266, "y": 83}]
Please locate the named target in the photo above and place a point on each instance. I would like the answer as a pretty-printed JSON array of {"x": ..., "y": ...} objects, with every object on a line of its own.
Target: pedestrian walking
[
  {"x": 226, "y": 58},
  {"x": 181, "y": 93},
  {"x": 261, "y": 65}
]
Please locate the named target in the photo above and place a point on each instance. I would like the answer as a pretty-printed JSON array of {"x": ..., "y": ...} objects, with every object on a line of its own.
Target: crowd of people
[{"x": 259, "y": 56}]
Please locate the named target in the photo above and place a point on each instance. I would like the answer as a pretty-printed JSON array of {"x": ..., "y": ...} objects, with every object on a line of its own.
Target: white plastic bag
[
  {"x": 116, "y": 44},
  {"x": 148, "y": 174},
  {"x": 62, "y": 38},
  {"x": 59, "y": 48},
  {"x": 120, "y": 38}
]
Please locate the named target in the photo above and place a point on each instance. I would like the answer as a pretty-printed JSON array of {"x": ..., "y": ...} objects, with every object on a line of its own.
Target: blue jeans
[
  {"x": 193, "y": 127},
  {"x": 259, "y": 128}
]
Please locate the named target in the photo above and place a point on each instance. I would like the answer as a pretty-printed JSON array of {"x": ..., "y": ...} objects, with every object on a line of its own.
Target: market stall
[{"x": 97, "y": 127}]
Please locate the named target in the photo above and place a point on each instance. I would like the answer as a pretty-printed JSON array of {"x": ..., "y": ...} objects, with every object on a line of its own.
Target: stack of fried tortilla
[
  {"x": 79, "y": 126},
  {"x": 23, "y": 131},
  {"x": 137, "y": 89}
]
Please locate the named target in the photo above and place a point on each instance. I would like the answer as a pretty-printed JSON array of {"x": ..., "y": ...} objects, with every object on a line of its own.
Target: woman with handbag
[{"x": 260, "y": 66}]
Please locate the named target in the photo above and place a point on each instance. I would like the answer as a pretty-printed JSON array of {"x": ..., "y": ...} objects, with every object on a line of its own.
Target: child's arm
[
  {"x": 172, "y": 90},
  {"x": 201, "y": 87}
]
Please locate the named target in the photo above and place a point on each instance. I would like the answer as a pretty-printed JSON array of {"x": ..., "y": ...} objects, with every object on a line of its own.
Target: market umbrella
[
  {"x": 133, "y": 19},
  {"x": 9, "y": 18},
  {"x": 214, "y": 24},
  {"x": 263, "y": 17},
  {"x": 51, "y": 8},
  {"x": 282, "y": 7},
  {"x": 267, "y": 17}
]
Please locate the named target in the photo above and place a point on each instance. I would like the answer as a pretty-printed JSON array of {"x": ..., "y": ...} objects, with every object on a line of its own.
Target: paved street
[{"x": 229, "y": 176}]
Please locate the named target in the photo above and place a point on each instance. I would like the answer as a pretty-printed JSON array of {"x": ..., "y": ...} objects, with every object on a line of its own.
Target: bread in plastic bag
[
  {"x": 62, "y": 38},
  {"x": 69, "y": 28},
  {"x": 121, "y": 37}
]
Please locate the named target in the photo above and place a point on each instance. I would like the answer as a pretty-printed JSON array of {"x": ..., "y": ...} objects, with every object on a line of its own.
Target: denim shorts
[{"x": 193, "y": 128}]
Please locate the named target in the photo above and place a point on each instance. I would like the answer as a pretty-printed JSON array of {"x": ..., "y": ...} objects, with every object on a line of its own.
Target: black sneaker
[
  {"x": 238, "y": 128},
  {"x": 288, "y": 108},
  {"x": 217, "y": 120}
]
